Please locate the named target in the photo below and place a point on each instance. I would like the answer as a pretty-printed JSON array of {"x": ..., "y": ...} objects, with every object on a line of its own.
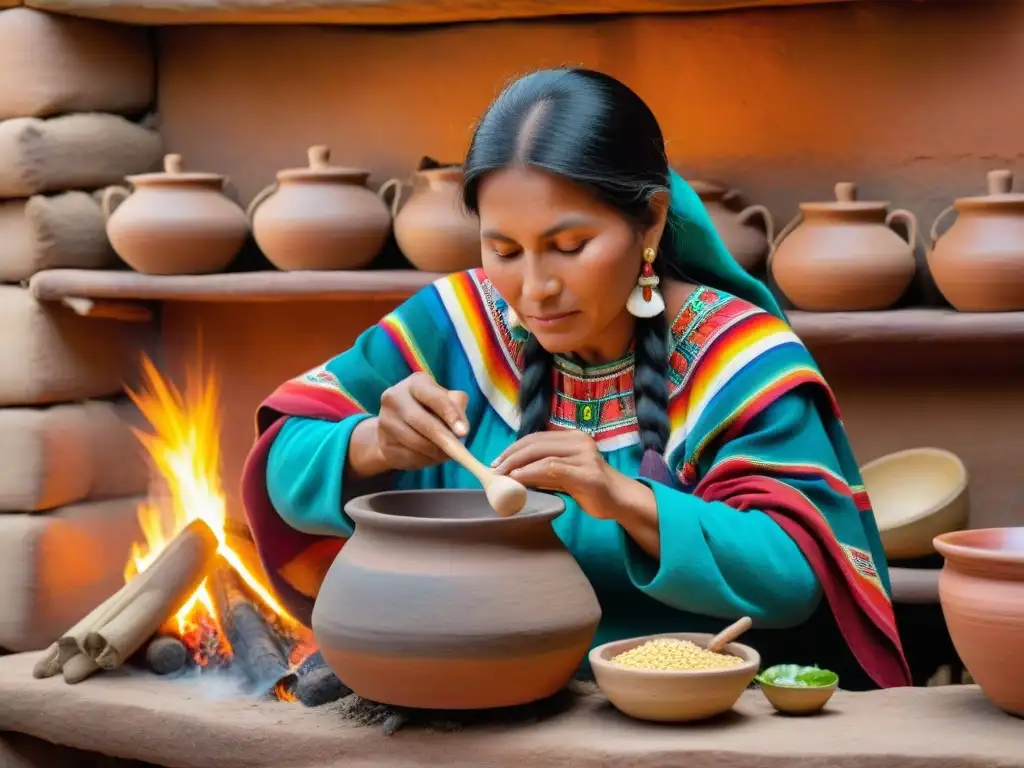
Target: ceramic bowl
[
  {"x": 798, "y": 700},
  {"x": 981, "y": 590},
  {"x": 670, "y": 695},
  {"x": 916, "y": 494},
  {"x": 795, "y": 690}
]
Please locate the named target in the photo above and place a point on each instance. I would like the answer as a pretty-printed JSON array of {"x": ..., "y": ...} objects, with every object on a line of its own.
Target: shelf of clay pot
[
  {"x": 61, "y": 284},
  {"x": 903, "y": 325},
  {"x": 815, "y": 328},
  {"x": 381, "y": 12}
]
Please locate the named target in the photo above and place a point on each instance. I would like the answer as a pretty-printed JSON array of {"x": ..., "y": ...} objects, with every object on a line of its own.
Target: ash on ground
[{"x": 392, "y": 719}]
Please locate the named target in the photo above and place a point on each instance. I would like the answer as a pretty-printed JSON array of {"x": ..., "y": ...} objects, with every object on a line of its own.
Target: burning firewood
[
  {"x": 166, "y": 655},
  {"x": 256, "y": 646},
  {"x": 122, "y": 624}
]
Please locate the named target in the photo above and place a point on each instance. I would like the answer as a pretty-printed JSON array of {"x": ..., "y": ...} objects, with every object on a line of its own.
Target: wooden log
[
  {"x": 153, "y": 596},
  {"x": 120, "y": 626},
  {"x": 256, "y": 647},
  {"x": 166, "y": 655}
]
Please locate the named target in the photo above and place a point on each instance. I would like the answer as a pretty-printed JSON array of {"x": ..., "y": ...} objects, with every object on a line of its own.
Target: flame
[{"x": 184, "y": 447}]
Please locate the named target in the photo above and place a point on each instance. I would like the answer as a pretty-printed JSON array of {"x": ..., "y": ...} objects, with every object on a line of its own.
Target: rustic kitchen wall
[{"x": 915, "y": 101}]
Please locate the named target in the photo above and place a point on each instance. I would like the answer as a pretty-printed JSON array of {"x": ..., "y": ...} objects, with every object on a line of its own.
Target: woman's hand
[
  {"x": 396, "y": 438},
  {"x": 568, "y": 461}
]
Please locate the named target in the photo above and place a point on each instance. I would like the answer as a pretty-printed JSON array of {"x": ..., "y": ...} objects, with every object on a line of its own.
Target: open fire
[
  {"x": 195, "y": 596},
  {"x": 232, "y": 606}
]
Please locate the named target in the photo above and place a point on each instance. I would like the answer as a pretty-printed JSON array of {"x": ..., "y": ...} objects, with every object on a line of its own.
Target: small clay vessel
[
  {"x": 432, "y": 228},
  {"x": 320, "y": 217},
  {"x": 978, "y": 264},
  {"x": 747, "y": 243},
  {"x": 981, "y": 590},
  {"x": 437, "y": 602},
  {"x": 843, "y": 256},
  {"x": 175, "y": 222}
]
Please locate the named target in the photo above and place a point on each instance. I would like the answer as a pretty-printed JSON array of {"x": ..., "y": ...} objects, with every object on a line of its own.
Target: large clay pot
[
  {"x": 978, "y": 265},
  {"x": 436, "y": 602},
  {"x": 320, "y": 217},
  {"x": 175, "y": 222},
  {"x": 747, "y": 243},
  {"x": 981, "y": 589},
  {"x": 432, "y": 228},
  {"x": 843, "y": 256}
]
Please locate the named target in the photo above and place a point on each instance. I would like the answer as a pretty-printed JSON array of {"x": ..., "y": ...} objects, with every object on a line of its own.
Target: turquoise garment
[
  {"x": 717, "y": 563},
  {"x": 760, "y": 505}
]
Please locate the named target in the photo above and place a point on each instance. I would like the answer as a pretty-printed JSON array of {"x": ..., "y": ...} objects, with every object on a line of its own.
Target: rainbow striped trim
[
  {"x": 495, "y": 358},
  {"x": 737, "y": 344}
]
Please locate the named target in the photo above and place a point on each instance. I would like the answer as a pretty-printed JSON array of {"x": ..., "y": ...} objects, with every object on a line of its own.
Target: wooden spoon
[
  {"x": 505, "y": 495},
  {"x": 729, "y": 634}
]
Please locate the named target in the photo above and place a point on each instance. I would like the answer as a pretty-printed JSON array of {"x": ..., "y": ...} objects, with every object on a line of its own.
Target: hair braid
[
  {"x": 536, "y": 388},
  {"x": 650, "y": 382}
]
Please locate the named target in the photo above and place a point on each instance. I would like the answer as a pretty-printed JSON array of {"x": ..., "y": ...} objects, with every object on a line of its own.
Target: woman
[{"x": 610, "y": 350}]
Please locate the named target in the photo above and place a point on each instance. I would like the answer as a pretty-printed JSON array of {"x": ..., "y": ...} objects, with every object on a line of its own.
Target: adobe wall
[{"x": 915, "y": 101}]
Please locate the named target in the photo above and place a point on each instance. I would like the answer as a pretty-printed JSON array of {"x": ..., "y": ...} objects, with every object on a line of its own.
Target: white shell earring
[{"x": 645, "y": 299}]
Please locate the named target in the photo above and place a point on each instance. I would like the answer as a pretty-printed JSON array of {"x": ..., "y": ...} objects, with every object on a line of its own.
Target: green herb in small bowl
[{"x": 796, "y": 690}]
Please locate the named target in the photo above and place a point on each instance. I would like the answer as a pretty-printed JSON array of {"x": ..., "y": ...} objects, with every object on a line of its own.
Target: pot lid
[
  {"x": 1000, "y": 192},
  {"x": 320, "y": 169},
  {"x": 174, "y": 173},
  {"x": 846, "y": 202}
]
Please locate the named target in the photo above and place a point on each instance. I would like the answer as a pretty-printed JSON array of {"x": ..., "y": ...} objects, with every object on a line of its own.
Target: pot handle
[
  {"x": 751, "y": 211},
  {"x": 260, "y": 198},
  {"x": 934, "y": 233},
  {"x": 113, "y": 197},
  {"x": 785, "y": 232},
  {"x": 230, "y": 191},
  {"x": 908, "y": 218},
  {"x": 395, "y": 187},
  {"x": 730, "y": 196}
]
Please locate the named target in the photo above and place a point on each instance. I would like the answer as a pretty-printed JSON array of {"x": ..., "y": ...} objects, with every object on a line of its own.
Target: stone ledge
[
  {"x": 375, "y": 12},
  {"x": 139, "y": 716},
  {"x": 815, "y": 328}
]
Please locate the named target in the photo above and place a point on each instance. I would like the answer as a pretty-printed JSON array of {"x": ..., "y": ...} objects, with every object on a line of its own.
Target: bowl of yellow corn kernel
[{"x": 673, "y": 677}]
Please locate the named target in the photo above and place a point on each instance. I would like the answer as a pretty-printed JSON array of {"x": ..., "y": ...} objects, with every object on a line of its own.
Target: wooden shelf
[
  {"x": 815, "y": 328},
  {"x": 374, "y": 12},
  {"x": 59, "y": 284}
]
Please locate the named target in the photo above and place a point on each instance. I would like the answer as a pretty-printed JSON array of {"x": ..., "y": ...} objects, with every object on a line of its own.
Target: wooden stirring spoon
[
  {"x": 505, "y": 495},
  {"x": 729, "y": 634}
]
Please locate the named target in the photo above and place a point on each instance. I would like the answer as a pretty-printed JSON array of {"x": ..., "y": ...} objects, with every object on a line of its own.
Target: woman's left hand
[{"x": 565, "y": 461}]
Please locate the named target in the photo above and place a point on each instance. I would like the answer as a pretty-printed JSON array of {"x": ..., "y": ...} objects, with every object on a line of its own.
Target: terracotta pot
[
  {"x": 436, "y": 602},
  {"x": 432, "y": 229},
  {"x": 843, "y": 256},
  {"x": 978, "y": 265},
  {"x": 175, "y": 222},
  {"x": 981, "y": 589},
  {"x": 320, "y": 217},
  {"x": 747, "y": 243}
]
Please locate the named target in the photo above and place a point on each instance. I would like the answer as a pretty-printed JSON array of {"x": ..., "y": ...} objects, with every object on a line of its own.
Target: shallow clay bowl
[
  {"x": 798, "y": 699},
  {"x": 916, "y": 495},
  {"x": 668, "y": 695}
]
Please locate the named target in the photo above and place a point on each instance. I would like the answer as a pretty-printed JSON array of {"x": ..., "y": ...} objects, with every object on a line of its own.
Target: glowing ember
[{"x": 184, "y": 446}]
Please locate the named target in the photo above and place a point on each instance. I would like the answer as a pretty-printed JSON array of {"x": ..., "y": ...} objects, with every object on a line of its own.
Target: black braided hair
[{"x": 593, "y": 130}]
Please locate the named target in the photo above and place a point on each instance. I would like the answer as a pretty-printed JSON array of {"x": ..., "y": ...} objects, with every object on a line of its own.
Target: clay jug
[
  {"x": 981, "y": 590},
  {"x": 320, "y": 217},
  {"x": 978, "y": 265},
  {"x": 432, "y": 229},
  {"x": 175, "y": 222},
  {"x": 436, "y": 602},
  {"x": 747, "y": 243},
  {"x": 843, "y": 255}
]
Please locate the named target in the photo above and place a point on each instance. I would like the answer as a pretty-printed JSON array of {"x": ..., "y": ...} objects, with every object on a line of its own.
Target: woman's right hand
[{"x": 396, "y": 438}]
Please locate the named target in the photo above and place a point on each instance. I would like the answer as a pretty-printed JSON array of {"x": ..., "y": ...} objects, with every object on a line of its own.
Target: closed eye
[{"x": 572, "y": 250}]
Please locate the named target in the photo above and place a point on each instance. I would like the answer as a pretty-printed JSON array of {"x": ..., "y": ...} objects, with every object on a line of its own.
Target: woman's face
[{"x": 563, "y": 260}]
